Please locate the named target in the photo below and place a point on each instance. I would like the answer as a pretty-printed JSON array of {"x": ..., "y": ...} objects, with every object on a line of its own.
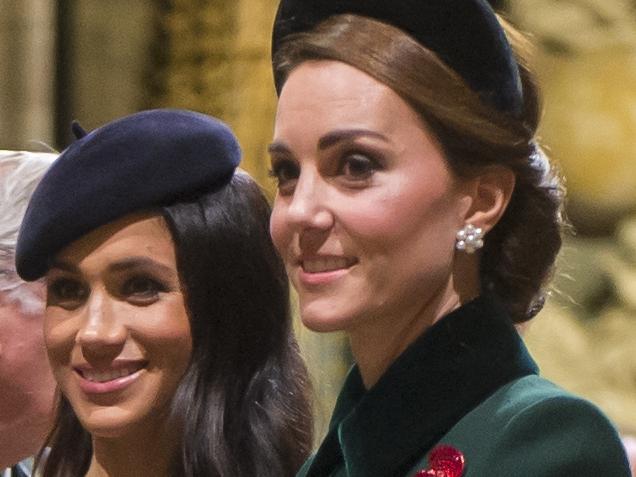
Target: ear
[{"x": 491, "y": 192}]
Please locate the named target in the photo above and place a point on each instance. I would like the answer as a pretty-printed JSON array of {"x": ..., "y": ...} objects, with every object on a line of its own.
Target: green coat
[{"x": 470, "y": 383}]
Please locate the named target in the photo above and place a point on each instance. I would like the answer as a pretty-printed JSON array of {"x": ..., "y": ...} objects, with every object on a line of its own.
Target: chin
[
  {"x": 106, "y": 432},
  {"x": 109, "y": 422},
  {"x": 106, "y": 428},
  {"x": 320, "y": 326},
  {"x": 322, "y": 322}
]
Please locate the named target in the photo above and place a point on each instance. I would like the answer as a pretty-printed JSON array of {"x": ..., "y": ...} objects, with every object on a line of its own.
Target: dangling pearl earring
[{"x": 469, "y": 239}]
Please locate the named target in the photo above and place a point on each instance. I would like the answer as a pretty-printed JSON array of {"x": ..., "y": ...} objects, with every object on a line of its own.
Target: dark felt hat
[
  {"x": 465, "y": 34},
  {"x": 140, "y": 162}
]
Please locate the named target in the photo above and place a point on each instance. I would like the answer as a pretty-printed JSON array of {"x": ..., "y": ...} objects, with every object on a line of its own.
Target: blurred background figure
[{"x": 26, "y": 384}]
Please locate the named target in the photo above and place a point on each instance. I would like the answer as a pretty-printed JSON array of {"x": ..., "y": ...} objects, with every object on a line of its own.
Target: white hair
[{"x": 20, "y": 173}]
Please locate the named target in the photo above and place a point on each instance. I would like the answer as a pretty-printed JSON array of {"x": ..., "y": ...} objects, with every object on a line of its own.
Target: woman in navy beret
[
  {"x": 167, "y": 322},
  {"x": 417, "y": 213}
]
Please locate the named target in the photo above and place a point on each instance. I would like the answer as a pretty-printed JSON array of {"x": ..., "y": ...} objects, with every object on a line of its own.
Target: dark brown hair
[
  {"x": 242, "y": 406},
  {"x": 519, "y": 253}
]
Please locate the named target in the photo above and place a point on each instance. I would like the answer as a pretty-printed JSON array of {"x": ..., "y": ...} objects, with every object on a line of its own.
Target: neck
[
  {"x": 132, "y": 455},
  {"x": 378, "y": 343}
]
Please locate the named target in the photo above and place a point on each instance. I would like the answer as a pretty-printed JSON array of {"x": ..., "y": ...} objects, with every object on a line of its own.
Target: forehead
[
  {"x": 332, "y": 92},
  {"x": 136, "y": 235}
]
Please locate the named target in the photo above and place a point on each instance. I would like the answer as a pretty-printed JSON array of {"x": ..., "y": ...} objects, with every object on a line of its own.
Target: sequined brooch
[{"x": 443, "y": 461}]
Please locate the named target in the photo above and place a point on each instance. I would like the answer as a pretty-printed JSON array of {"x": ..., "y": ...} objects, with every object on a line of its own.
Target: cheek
[
  {"x": 407, "y": 219},
  {"x": 166, "y": 331},
  {"x": 59, "y": 337},
  {"x": 278, "y": 228},
  {"x": 175, "y": 325}
]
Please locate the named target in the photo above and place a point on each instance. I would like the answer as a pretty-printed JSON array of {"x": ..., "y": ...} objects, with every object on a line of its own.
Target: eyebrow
[
  {"x": 119, "y": 266},
  {"x": 139, "y": 262},
  {"x": 341, "y": 135},
  {"x": 278, "y": 147},
  {"x": 331, "y": 139},
  {"x": 62, "y": 266}
]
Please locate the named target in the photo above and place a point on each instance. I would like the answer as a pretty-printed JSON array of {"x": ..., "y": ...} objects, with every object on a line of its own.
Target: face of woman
[
  {"x": 367, "y": 208},
  {"x": 116, "y": 327}
]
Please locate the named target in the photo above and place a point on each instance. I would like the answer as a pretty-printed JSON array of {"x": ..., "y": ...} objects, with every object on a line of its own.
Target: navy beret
[
  {"x": 465, "y": 34},
  {"x": 142, "y": 161}
]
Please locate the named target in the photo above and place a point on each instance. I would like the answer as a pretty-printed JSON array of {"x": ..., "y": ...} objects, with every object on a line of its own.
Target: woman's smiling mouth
[
  {"x": 103, "y": 376},
  {"x": 93, "y": 381},
  {"x": 323, "y": 270},
  {"x": 326, "y": 264}
]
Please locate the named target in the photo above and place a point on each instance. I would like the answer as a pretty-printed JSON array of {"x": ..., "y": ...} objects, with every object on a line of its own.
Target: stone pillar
[
  {"x": 110, "y": 53},
  {"x": 27, "y": 75}
]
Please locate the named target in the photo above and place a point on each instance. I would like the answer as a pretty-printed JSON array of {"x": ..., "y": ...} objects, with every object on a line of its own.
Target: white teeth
[
  {"x": 102, "y": 377},
  {"x": 325, "y": 264}
]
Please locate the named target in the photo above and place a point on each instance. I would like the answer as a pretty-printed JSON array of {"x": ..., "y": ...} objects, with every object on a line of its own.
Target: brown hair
[{"x": 519, "y": 253}]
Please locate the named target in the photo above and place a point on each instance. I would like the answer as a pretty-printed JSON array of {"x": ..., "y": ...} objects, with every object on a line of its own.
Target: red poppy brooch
[{"x": 443, "y": 461}]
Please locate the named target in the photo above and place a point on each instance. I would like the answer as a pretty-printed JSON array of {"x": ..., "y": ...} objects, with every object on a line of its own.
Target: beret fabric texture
[
  {"x": 142, "y": 161},
  {"x": 465, "y": 34}
]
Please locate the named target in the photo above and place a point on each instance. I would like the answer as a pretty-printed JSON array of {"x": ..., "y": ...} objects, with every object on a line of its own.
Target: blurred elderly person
[{"x": 26, "y": 383}]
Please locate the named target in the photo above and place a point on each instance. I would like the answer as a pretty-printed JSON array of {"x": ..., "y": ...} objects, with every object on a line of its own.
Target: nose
[
  {"x": 102, "y": 334},
  {"x": 308, "y": 209}
]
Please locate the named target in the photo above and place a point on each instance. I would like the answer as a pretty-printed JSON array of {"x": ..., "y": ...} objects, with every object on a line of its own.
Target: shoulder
[{"x": 533, "y": 428}]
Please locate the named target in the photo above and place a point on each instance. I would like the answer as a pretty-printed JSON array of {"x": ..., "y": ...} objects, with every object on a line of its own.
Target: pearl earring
[{"x": 469, "y": 238}]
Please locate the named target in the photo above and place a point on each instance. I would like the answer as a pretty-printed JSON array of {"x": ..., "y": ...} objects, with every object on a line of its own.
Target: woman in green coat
[{"x": 417, "y": 213}]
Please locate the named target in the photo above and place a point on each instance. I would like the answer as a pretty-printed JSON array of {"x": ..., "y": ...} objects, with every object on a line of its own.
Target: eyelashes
[
  {"x": 65, "y": 292},
  {"x": 70, "y": 292},
  {"x": 284, "y": 171},
  {"x": 64, "y": 288},
  {"x": 142, "y": 289},
  {"x": 358, "y": 166},
  {"x": 352, "y": 167}
]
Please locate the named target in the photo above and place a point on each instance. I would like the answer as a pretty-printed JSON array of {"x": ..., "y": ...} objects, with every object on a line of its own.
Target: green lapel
[{"x": 452, "y": 367}]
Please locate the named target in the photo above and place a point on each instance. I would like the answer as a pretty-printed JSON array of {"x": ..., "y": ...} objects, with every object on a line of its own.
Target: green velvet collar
[{"x": 451, "y": 368}]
